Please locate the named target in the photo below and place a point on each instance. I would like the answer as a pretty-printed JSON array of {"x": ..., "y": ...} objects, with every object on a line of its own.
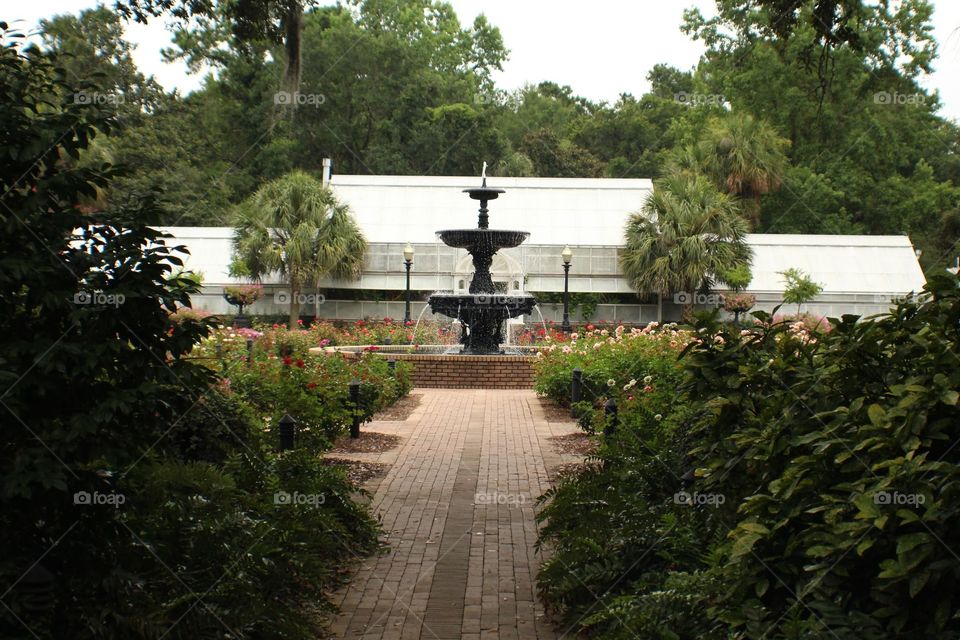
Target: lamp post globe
[{"x": 567, "y": 256}]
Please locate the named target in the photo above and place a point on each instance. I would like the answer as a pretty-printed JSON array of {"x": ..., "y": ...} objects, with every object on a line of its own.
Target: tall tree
[
  {"x": 685, "y": 238},
  {"x": 747, "y": 156},
  {"x": 295, "y": 226}
]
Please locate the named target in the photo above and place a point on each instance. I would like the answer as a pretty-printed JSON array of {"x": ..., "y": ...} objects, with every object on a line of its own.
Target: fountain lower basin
[{"x": 456, "y": 305}]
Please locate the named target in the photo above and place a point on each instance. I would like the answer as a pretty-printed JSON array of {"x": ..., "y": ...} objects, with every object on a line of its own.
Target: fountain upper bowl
[{"x": 494, "y": 238}]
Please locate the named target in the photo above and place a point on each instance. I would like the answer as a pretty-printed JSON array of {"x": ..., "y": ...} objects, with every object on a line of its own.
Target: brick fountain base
[{"x": 454, "y": 371}]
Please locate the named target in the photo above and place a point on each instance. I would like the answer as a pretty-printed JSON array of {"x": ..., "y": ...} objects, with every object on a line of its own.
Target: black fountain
[{"x": 483, "y": 311}]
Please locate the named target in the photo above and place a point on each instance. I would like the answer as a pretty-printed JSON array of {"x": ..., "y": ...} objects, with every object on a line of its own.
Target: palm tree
[
  {"x": 294, "y": 225},
  {"x": 687, "y": 234},
  {"x": 747, "y": 157}
]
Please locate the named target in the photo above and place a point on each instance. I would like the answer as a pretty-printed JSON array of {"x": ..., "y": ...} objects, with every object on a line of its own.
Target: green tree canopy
[
  {"x": 295, "y": 226},
  {"x": 686, "y": 237}
]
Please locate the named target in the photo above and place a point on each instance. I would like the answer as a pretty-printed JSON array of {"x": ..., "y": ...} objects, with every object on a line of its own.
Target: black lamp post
[
  {"x": 408, "y": 262},
  {"x": 567, "y": 256}
]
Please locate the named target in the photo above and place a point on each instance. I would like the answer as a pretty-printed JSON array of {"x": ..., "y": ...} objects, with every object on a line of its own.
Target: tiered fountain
[{"x": 483, "y": 311}]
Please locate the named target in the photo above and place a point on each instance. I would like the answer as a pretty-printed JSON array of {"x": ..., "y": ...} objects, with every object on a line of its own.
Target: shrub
[{"x": 830, "y": 455}]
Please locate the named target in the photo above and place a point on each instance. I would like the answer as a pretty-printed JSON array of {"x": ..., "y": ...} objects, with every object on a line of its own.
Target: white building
[{"x": 859, "y": 274}]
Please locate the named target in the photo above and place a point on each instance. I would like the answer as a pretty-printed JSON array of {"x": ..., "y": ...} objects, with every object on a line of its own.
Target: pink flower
[{"x": 647, "y": 389}]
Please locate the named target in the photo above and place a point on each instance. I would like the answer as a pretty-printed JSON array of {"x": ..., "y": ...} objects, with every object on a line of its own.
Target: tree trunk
[
  {"x": 294, "y": 306},
  {"x": 290, "y": 83}
]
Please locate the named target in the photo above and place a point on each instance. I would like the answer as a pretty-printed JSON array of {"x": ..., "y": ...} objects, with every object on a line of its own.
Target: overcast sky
[{"x": 600, "y": 48}]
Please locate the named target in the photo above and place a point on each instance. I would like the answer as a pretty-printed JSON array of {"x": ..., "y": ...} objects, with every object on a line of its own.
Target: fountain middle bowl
[{"x": 493, "y": 238}]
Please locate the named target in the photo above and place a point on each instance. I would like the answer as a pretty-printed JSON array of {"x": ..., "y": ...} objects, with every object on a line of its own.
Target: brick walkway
[{"x": 457, "y": 508}]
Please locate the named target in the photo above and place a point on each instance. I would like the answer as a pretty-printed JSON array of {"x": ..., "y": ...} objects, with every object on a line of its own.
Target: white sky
[{"x": 600, "y": 48}]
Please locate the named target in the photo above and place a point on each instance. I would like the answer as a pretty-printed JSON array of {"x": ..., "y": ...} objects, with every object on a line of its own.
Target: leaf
[
  {"x": 917, "y": 582},
  {"x": 876, "y": 414},
  {"x": 911, "y": 541},
  {"x": 744, "y": 545},
  {"x": 949, "y": 397}
]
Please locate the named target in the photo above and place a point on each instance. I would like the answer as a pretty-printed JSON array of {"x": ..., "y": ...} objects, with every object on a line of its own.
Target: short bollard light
[
  {"x": 610, "y": 410},
  {"x": 249, "y": 349},
  {"x": 576, "y": 391},
  {"x": 287, "y": 428},
  {"x": 392, "y": 365},
  {"x": 355, "y": 408}
]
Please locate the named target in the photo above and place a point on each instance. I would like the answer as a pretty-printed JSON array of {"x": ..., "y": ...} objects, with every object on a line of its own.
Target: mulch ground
[
  {"x": 401, "y": 409},
  {"x": 359, "y": 472},
  {"x": 565, "y": 469},
  {"x": 554, "y": 412},
  {"x": 578, "y": 444},
  {"x": 368, "y": 442}
]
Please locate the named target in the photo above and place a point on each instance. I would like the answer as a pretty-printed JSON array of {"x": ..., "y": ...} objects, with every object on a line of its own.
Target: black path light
[
  {"x": 355, "y": 407},
  {"x": 287, "y": 428},
  {"x": 408, "y": 262},
  {"x": 576, "y": 391},
  {"x": 610, "y": 410},
  {"x": 567, "y": 255}
]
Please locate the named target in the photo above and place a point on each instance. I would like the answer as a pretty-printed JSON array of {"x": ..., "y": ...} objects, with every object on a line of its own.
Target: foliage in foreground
[
  {"x": 801, "y": 485},
  {"x": 139, "y": 499}
]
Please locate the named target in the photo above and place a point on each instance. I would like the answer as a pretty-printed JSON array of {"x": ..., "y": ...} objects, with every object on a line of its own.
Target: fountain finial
[{"x": 483, "y": 174}]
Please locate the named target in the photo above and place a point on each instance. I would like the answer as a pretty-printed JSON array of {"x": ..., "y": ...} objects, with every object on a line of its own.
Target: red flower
[
  {"x": 647, "y": 389},
  {"x": 408, "y": 323},
  {"x": 301, "y": 364},
  {"x": 542, "y": 332},
  {"x": 590, "y": 327},
  {"x": 311, "y": 385},
  {"x": 299, "y": 321},
  {"x": 287, "y": 361}
]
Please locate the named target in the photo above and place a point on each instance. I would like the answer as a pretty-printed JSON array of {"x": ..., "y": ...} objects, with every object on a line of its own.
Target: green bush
[
  {"x": 817, "y": 479},
  {"x": 138, "y": 497}
]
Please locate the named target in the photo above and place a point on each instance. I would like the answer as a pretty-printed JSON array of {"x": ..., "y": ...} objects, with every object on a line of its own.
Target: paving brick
[{"x": 458, "y": 509}]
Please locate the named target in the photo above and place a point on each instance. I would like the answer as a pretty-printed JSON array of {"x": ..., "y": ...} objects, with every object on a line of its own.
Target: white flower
[
  {"x": 604, "y": 333},
  {"x": 658, "y": 417},
  {"x": 629, "y": 385},
  {"x": 611, "y": 382},
  {"x": 597, "y": 345},
  {"x": 574, "y": 336},
  {"x": 647, "y": 379}
]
